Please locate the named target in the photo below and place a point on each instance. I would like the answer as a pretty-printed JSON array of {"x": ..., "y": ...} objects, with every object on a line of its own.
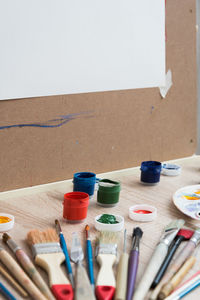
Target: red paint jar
[{"x": 75, "y": 206}]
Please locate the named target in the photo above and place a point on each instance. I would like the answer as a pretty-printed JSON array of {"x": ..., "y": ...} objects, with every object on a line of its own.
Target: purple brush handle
[{"x": 132, "y": 273}]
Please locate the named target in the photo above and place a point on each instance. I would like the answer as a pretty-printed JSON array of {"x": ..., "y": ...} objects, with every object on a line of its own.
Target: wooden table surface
[{"x": 38, "y": 207}]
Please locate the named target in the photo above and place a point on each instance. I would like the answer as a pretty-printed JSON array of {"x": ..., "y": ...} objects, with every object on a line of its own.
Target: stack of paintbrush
[
  {"x": 49, "y": 254},
  {"x": 161, "y": 258},
  {"x": 28, "y": 266},
  {"x": 38, "y": 291}
]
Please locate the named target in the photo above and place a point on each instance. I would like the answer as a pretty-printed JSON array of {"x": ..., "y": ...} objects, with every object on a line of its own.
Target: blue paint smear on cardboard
[{"x": 54, "y": 123}]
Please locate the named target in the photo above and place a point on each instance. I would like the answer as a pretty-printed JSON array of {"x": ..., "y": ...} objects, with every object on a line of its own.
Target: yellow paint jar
[{"x": 6, "y": 222}]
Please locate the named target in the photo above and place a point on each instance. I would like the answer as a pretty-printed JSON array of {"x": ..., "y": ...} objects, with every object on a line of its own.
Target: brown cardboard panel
[{"x": 119, "y": 129}]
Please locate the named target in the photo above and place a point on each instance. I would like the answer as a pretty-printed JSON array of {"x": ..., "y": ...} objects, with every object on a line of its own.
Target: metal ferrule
[
  {"x": 106, "y": 249},
  {"x": 136, "y": 243},
  {"x": 12, "y": 245},
  {"x": 45, "y": 248},
  {"x": 168, "y": 236},
  {"x": 196, "y": 237},
  {"x": 58, "y": 229}
]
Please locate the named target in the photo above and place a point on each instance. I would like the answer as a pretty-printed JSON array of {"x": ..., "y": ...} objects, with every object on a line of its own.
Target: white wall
[{"x": 51, "y": 47}]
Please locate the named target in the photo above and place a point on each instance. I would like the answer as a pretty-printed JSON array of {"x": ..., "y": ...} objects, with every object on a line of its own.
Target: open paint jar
[
  {"x": 75, "y": 206},
  {"x": 6, "y": 222},
  {"x": 105, "y": 222},
  {"x": 108, "y": 192},
  {"x": 142, "y": 213}
]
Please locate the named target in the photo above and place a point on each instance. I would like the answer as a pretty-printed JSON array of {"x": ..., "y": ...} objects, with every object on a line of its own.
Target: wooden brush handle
[
  {"x": 83, "y": 286},
  {"x": 105, "y": 284},
  {"x": 174, "y": 282},
  {"x": 59, "y": 283},
  {"x": 20, "y": 275},
  {"x": 150, "y": 272},
  {"x": 13, "y": 282},
  {"x": 122, "y": 274},
  {"x": 33, "y": 273}
]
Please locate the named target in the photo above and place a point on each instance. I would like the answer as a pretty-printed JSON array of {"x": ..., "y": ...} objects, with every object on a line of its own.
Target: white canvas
[{"x": 51, "y": 47}]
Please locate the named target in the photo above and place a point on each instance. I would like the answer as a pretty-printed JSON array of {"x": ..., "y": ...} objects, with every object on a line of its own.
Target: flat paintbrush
[
  {"x": 183, "y": 235},
  {"x": 28, "y": 266},
  {"x": 49, "y": 255},
  {"x": 157, "y": 258},
  {"x": 106, "y": 257}
]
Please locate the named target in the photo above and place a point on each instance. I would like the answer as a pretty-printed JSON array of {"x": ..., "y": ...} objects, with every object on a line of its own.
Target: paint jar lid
[
  {"x": 6, "y": 222},
  {"x": 109, "y": 227},
  {"x": 171, "y": 169},
  {"x": 142, "y": 213}
]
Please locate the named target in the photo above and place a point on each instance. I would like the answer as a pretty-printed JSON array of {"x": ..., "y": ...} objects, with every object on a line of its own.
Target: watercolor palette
[{"x": 187, "y": 200}]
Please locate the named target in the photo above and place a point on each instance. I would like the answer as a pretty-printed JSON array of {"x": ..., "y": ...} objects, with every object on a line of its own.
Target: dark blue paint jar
[
  {"x": 84, "y": 182},
  {"x": 150, "y": 172}
]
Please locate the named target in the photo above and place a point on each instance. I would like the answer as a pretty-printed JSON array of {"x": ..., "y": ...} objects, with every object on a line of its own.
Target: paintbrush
[
  {"x": 65, "y": 251},
  {"x": 177, "y": 278},
  {"x": 122, "y": 273},
  {"x": 133, "y": 262},
  {"x": 13, "y": 282},
  {"x": 49, "y": 255},
  {"x": 89, "y": 256},
  {"x": 186, "y": 287},
  {"x": 106, "y": 257},
  {"x": 83, "y": 288},
  {"x": 20, "y": 275},
  {"x": 28, "y": 266},
  {"x": 185, "y": 291},
  {"x": 157, "y": 258},
  {"x": 6, "y": 292},
  {"x": 183, "y": 235},
  {"x": 181, "y": 258}
]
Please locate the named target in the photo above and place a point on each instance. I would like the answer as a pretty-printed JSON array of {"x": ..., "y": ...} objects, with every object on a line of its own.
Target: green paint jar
[{"x": 108, "y": 192}]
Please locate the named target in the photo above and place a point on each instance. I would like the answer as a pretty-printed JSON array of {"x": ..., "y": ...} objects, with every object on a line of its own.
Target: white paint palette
[{"x": 187, "y": 200}]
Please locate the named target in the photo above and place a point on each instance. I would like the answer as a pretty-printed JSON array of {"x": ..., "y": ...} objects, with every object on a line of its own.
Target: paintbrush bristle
[
  {"x": 36, "y": 236},
  {"x": 5, "y": 237},
  {"x": 175, "y": 224},
  {"x": 107, "y": 243},
  {"x": 137, "y": 232},
  {"x": 108, "y": 237},
  {"x": 87, "y": 227}
]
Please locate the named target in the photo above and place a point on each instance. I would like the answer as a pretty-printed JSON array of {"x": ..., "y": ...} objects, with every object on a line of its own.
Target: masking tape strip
[{"x": 168, "y": 83}]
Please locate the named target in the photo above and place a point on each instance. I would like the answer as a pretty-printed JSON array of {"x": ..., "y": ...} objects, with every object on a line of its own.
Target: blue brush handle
[
  {"x": 90, "y": 261},
  {"x": 64, "y": 248},
  {"x": 6, "y": 292},
  {"x": 189, "y": 289}
]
